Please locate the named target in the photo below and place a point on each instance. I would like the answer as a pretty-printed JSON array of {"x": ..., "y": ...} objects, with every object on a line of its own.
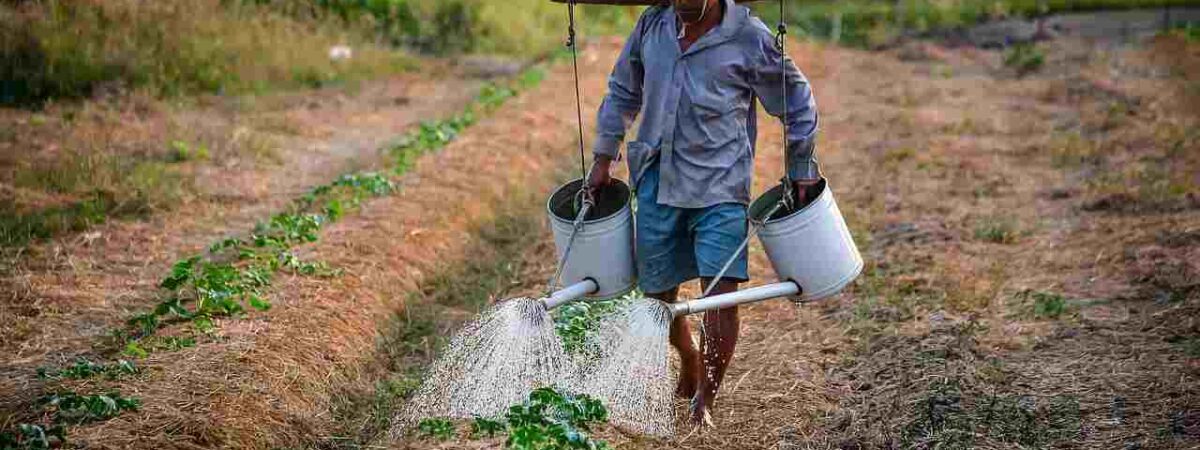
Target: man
[{"x": 694, "y": 71}]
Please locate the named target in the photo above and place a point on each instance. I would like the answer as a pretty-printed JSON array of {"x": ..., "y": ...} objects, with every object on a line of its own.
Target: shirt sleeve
[
  {"x": 768, "y": 75},
  {"x": 624, "y": 99}
]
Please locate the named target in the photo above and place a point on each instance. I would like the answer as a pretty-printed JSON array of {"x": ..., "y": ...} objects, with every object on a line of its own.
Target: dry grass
[
  {"x": 896, "y": 395},
  {"x": 275, "y": 380}
]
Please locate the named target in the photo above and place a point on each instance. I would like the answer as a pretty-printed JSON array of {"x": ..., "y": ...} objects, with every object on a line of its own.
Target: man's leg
[
  {"x": 718, "y": 340},
  {"x": 681, "y": 339},
  {"x": 719, "y": 230},
  {"x": 665, "y": 259}
]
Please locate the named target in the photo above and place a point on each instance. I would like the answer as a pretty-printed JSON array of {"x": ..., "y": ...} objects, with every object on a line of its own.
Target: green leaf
[
  {"x": 203, "y": 323},
  {"x": 147, "y": 323},
  {"x": 32, "y": 437},
  {"x": 545, "y": 396},
  {"x": 181, "y": 272},
  {"x": 435, "y": 427},
  {"x": 226, "y": 243},
  {"x": 482, "y": 426},
  {"x": 173, "y": 306},
  {"x": 334, "y": 209},
  {"x": 132, "y": 349},
  {"x": 126, "y": 367},
  {"x": 105, "y": 406},
  {"x": 525, "y": 437},
  {"x": 258, "y": 303}
]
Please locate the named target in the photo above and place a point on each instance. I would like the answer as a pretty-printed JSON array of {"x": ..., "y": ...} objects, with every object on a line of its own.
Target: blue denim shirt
[{"x": 698, "y": 107}]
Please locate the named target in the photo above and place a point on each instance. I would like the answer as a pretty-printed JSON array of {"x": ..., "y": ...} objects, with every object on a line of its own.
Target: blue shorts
[{"x": 675, "y": 245}]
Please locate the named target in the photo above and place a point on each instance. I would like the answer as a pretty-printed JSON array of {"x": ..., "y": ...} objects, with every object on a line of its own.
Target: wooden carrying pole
[{"x": 628, "y": 2}]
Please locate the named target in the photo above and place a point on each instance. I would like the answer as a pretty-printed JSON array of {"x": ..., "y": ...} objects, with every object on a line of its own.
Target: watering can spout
[
  {"x": 570, "y": 293},
  {"x": 755, "y": 294}
]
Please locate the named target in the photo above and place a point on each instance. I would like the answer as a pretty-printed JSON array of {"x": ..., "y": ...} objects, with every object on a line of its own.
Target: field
[{"x": 276, "y": 269}]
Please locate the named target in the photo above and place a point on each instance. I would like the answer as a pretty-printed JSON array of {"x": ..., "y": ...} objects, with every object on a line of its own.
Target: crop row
[{"x": 234, "y": 276}]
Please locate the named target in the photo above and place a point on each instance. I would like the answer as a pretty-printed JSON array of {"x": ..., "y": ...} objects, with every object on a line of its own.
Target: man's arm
[
  {"x": 620, "y": 106},
  {"x": 767, "y": 79}
]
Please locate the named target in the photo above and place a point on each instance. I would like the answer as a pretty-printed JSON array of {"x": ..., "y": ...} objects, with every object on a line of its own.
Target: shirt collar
[{"x": 734, "y": 18}]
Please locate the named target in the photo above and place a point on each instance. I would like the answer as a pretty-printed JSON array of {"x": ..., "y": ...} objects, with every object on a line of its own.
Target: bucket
[
  {"x": 603, "y": 248},
  {"x": 811, "y": 247}
]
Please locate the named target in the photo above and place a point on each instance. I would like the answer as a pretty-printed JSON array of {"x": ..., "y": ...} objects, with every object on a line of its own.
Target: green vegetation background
[
  {"x": 70, "y": 48},
  {"x": 56, "y": 49}
]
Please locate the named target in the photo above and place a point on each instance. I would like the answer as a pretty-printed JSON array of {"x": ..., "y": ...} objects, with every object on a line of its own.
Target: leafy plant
[
  {"x": 553, "y": 420},
  {"x": 439, "y": 428},
  {"x": 492, "y": 96},
  {"x": 182, "y": 151},
  {"x": 74, "y": 408},
  {"x": 1048, "y": 305},
  {"x": 575, "y": 322},
  {"x": 134, "y": 350},
  {"x": 1025, "y": 58},
  {"x": 547, "y": 420},
  {"x": 33, "y": 437},
  {"x": 999, "y": 230},
  {"x": 483, "y": 427},
  {"x": 82, "y": 369}
]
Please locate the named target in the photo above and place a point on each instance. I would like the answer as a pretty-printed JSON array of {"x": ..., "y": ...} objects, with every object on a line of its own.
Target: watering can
[
  {"x": 593, "y": 239},
  {"x": 810, "y": 248}
]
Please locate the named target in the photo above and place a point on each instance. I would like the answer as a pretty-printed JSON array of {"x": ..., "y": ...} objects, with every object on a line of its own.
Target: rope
[
  {"x": 578, "y": 98},
  {"x": 780, "y": 38},
  {"x": 562, "y": 262},
  {"x": 586, "y": 199}
]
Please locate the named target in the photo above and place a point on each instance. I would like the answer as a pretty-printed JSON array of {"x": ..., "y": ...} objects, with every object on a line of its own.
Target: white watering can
[
  {"x": 593, "y": 242},
  {"x": 810, "y": 249}
]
